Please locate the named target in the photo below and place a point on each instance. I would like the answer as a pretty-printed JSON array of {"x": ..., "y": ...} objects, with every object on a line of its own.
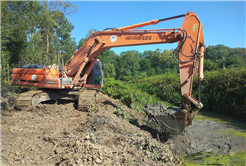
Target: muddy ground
[
  {"x": 56, "y": 133},
  {"x": 207, "y": 136}
]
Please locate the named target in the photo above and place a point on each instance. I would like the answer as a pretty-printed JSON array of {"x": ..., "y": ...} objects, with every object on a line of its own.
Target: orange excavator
[{"x": 84, "y": 70}]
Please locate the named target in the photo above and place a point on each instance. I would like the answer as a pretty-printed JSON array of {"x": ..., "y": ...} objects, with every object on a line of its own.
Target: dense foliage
[
  {"x": 156, "y": 73},
  {"x": 132, "y": 64},
  {"x": 132, "y": 97},
  {"x": 223, "y": 90},
  {"x": 31, "y": 30}
]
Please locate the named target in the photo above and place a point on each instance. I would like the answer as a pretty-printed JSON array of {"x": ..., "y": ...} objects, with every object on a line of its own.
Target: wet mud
[
  {"x": 207, "y": 136},
  {"x": 203, "y": 136}
]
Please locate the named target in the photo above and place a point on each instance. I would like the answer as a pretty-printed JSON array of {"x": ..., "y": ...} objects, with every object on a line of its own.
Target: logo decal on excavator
[
  {"x": 34, "y": 77},
  {"x": 138, "y": 37},
  {"x": 113, "y": 38},
  {"x": 194, "y": 27}
]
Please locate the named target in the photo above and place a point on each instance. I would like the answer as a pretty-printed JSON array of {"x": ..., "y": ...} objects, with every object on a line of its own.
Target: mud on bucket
[{"x": 166, "y": 120}]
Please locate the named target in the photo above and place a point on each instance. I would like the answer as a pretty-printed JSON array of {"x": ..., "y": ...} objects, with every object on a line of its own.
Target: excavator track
[
  {"x": 87, "y": 100},
  {"x": 24, "y": 100},
  {"x": 32, "y": 98}
]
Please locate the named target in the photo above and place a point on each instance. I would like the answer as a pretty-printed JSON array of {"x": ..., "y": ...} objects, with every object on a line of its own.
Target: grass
[
  {"x": 211, "y": 158},
  {"x": 221, "y": 118},
  {"x": 236, "y": 133},
  {"x": 192, "y": 164},
  {"x": 229, "y": 159}
]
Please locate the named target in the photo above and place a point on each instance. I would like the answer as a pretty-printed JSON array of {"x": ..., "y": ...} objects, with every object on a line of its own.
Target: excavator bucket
[{"x": 166, "y": 120}]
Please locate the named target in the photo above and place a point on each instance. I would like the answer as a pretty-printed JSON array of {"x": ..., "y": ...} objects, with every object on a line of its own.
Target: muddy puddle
[{"x": 207, "y": 136}]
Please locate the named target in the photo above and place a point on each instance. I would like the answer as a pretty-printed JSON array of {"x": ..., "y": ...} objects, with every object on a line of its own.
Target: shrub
[
  {"x": 166, "y": 87},
  {"x": 132, "y": 97},
  {"x": 223, "y": 90}
]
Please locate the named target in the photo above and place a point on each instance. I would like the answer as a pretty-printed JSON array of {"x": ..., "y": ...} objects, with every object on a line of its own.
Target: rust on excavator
[{"x": 84, "y": 70}]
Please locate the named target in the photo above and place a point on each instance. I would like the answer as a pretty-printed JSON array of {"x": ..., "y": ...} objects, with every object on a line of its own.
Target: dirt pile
[
  {"x": 8, "y": 97},
  {"x": 56, "y": 133}
]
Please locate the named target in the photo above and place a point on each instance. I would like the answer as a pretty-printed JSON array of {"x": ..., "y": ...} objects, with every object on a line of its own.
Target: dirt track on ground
[{"x": 56, "y": 133}]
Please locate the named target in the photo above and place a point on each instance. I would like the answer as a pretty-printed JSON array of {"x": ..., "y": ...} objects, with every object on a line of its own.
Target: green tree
[
  {"x": 83, "y": 40},
  {"x": 145, "y": 64},
  {"x": 220, "y": 56},
  {"x": 68, "y": 49},
  {"x": 13, "y": 31},
  {"x": 241, "y": 52},
  {"x": 167, "y": 61},
  {"x": 230, "y": 62},
  {"x": 217, "y": 52},
  {"x": 109, "y": 71},
  {"x": 31, "y": 28},
  {"x": 64, "y": 39},
  {"x": 210, "y": 65},
  {"x": 54, "y": 10},
  {"x": 108, "y": 56},
  {"x": 34, "y": 48},
  {"x": 127, "y": 64},
  {"x": 5, "y": 39},
  {"x": 154, "y": 57}
]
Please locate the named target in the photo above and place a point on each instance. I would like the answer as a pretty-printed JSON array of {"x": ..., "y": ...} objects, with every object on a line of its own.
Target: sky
[{"x": 223, "y": 21}]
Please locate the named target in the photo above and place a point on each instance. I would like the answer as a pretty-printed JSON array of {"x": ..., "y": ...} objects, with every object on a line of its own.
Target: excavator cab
[{"x": 95, "y": 78}]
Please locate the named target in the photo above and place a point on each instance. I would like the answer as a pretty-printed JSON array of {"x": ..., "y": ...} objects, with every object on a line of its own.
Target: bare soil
[{"x": 56, "y": 133}]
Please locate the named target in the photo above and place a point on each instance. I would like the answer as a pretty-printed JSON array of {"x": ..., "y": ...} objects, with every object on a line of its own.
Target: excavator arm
[
  {"x": 103, "y": 40},
  {"x": 190, "y": 51}
]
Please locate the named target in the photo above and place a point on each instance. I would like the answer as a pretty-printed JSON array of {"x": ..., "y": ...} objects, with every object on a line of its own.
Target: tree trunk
[
  {"x": 47, "y": 43},
  {"x": 47, "y": 34},
  {"x": 33, "y": 46},
  {"x": 62, "y": 61},
  {"x": 7, "y": 72},
  {"x": 58, "y": 59}
]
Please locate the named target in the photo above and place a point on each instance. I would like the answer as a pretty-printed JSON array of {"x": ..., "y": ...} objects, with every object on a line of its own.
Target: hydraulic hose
[
  {"x": 181, "y": 49},
  {"x": 96, "y": 41}
]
